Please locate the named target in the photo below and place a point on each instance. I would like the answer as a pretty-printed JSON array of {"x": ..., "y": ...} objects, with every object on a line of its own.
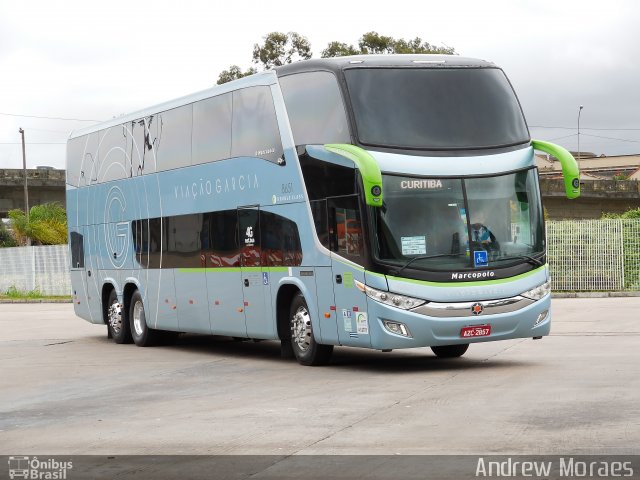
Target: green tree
[
  {"x": 6, "y": 240},
  {"x": 281, "y": 48},
  {"x": 234, "y": 73},
  {"x": 46, "y": 225},
  {"x": 374, "y": 43},
  {"x": 339, "y": 49}
]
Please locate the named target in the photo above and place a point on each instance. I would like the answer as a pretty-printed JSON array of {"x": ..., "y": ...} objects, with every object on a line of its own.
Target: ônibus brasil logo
[{"x": 33, "y": 468}]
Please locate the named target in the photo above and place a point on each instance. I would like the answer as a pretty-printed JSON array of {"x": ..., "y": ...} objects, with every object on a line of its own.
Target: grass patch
[{"x": 14, "y": 293}]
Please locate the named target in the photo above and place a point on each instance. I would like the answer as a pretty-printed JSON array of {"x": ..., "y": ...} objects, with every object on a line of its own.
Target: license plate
[{"x": 477, "y": 331}]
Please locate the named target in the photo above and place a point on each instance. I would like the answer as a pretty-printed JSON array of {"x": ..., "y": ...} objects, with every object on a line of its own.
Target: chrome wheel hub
[
  {"x": 138, "y": 318},
  {"x": 301, "y": 329},
  {"x": 115, "y": 317}
]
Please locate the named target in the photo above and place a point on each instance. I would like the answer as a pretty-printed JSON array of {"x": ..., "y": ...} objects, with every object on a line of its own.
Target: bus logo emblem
[{"x": 477, "y": 308}]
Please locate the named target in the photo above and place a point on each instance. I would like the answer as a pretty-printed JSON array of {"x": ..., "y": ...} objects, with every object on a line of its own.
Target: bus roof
[{"x": 405, "y": 60}]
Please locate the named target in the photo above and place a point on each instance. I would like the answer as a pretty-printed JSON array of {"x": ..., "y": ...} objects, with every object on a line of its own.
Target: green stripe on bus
[{"x": 234, "y": 269}]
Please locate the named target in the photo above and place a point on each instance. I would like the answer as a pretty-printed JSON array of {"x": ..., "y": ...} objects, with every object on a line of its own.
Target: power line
[
  {"x": 49, "y": 118},
  {"x": 565, "y": 136},
  {"x": 585, "y": 128},
  {"x": 612, "y": 138},
  {"x": 33, "y": 143}
]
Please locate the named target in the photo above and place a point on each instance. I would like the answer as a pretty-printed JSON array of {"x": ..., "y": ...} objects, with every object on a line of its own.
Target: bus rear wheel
[
  {"x": 117, "y": 327},
  {"x": 143, "y": 336},
  {"x": 306, "y": 350},
  {"x": 450, "y": 351}
]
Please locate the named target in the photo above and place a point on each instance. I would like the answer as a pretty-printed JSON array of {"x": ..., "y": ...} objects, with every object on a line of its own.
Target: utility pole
[
  {"x": 579, "y": 112},
  {"x": 26, "y": 190}
]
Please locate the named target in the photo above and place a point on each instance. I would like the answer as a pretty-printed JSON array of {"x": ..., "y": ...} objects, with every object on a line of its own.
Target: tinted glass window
[
  {"x": 147, "y": 239},
  {"x": 212, "y": 129},
  {"x": 255, "y": 129},
  {"x": 319, "y": 212},
  {"x": 75, "y": 150},
  {"x": 324, "y": 179},
  {"x": 221, "y": 244},
  {"x": 435, "y": 108},
  {"x": 315, "y": 108},
  {"x": 345, "y": 227},
  {"x": 112, "y": 154},
  {"x": 142, "y": 138},
  {"x": 76, "y": 243},
  {"x": 183, "y": 242},
  {"x": 174, "y": 138},
  {"x": 280, "y": 241}
]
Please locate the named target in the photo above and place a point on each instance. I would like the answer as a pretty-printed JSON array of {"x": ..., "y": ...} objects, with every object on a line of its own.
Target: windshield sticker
[
  {"x": 414, "y": 245},
  {"x": 346, "y": 318},
  {"x": 363, "y": 324},
  {"x": 480, "y": 258}
]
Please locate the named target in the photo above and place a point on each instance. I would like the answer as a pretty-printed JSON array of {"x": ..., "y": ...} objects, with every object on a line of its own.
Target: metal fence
[
  {"x": 594, "y": 255},
  {"x": 584, "y": 255},
  {"x": 45, "y": 269}
]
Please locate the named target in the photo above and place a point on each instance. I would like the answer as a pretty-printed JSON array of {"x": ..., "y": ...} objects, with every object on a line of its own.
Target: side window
[
  {"x": 345, "y": 227},
  {"x": 315, "y": 108},
  {"x": 324, "y": 179},
  {"x": 76, "y": 241},
  {"x": 147, "y": 238},
  {"x": 221, "y": 249},
  {"x": 174, "y": 138},
  {"x": 280, "y": 241},
  {"x": 183, "y": 242},
  {"x": 75, "y": 151},
  {"x": 255, "y": 130},
  {"x": 320, "y": 219},
  {"x": 142, "y": 138},
  {"x": 111, "y": 154},
  {"x": 211, "y": 129}
]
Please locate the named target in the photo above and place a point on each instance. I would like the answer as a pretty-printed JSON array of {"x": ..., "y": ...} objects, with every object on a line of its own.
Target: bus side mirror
[{"x": 570, "y": 169}]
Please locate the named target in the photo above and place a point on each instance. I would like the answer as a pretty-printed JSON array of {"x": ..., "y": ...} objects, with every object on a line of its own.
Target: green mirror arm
[
  {"x": 368, "y": 167},
  {"x": 570, "y": 169}
]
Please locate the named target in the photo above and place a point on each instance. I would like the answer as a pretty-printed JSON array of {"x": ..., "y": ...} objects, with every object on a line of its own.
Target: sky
[{"x": 86, "y": 60}]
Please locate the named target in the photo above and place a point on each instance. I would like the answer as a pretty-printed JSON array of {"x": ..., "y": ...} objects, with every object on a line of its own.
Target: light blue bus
[{"x": 381, "y": 202}]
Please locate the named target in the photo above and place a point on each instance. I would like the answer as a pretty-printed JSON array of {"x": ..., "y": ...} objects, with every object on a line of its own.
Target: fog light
[
  {"x": 397, "y": 328},
  {"x": 543, "y": 315}
]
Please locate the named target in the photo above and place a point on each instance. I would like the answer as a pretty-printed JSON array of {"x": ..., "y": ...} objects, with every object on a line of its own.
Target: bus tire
[
  {"x": 117, "y": 326},
  {"x": 306, "y": 350},
  {"x": 142, "y": 335},
  {"x": 450, "y": 351}
]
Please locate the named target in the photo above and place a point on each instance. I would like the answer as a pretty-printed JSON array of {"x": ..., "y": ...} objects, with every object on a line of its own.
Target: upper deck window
[
  {"x": 435, "y": 108},
  {"x": 315, "y": 108}
]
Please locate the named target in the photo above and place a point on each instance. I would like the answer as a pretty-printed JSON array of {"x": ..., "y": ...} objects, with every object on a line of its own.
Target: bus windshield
[
  {"x": 435, "y": 108},
  {"x": 438, "y": 224}
]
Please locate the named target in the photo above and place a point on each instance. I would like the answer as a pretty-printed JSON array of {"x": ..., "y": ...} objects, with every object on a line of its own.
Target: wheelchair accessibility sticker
[{"x": 480, "y": 258}]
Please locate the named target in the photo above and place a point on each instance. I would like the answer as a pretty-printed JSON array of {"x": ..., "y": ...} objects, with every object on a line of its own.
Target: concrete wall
[
  {"x": 44, "y": 186},
  {"x": 597, "y": 197}
]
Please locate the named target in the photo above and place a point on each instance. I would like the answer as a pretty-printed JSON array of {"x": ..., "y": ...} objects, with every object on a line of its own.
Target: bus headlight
[
  {"x": 388, "y": 298},
  {"x": 538, "y": 292}
]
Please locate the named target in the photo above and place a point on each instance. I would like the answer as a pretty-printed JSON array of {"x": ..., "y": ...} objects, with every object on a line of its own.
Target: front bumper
[{"x": 429, "y": 330}]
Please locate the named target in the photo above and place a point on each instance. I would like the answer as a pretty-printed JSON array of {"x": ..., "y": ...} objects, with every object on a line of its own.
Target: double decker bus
[{"x": 381, "y": 202}]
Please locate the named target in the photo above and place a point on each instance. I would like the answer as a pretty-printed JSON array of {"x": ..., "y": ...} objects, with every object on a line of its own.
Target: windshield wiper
[
  {"x": 532, "y": 260},
  {"x": 424, "y": 257}
]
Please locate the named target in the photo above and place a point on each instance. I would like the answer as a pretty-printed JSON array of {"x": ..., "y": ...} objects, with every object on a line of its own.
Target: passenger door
[
  {"x": 346, "y": 240},
  {"x": 255, "y": 278},
  {"x": 224, "y": 278}
]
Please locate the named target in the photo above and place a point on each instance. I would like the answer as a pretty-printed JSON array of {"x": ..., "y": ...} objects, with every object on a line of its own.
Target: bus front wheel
[
  {"x": 306, "y": 350},
  {"x": 450, "y": 351}
]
